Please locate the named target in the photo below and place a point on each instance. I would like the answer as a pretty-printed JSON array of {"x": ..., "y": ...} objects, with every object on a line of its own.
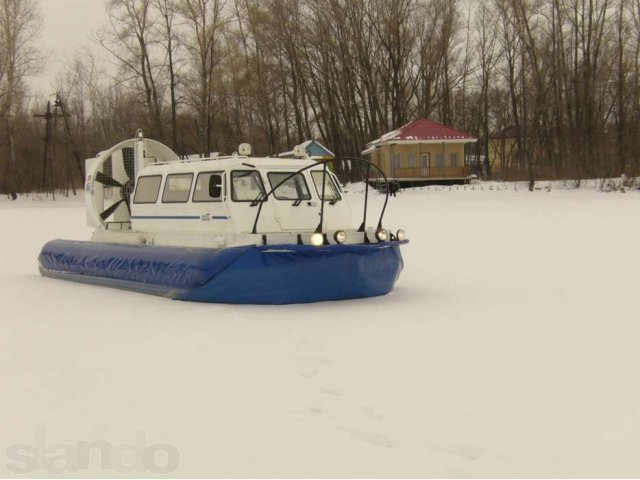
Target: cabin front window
[
  {"x": 246, "y": 186},
  {"x": 330, "y": 189},
  {"x": 289, "y": 186},
  {"x": 147, "y": 189},
  {"x": 177, "y": 188},
  {"x": 208, "y": 187},
  {"x": 336, "y": 182}
]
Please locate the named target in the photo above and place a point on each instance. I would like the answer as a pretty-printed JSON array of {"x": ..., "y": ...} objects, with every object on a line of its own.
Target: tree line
[{"x": 563, "y": 76}]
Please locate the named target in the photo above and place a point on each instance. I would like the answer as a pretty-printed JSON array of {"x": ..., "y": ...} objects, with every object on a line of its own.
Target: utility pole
[
  {"x": 51, "y": 116},
  {"x": 67, "y": 128},
  {"x": 46, "y": 139}
]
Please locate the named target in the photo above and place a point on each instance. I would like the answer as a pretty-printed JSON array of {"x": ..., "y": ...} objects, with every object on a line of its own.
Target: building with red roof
[{"x": 421, "y": 150}]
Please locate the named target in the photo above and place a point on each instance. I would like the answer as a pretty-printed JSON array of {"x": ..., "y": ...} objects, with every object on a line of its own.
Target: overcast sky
[{"x": 68, "y": 26}]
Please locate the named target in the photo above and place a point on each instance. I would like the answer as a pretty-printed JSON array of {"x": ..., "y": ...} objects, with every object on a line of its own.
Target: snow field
[{"x": 508, "y": 348}]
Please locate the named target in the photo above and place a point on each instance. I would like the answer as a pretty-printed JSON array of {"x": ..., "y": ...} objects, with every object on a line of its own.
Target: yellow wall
[
  {"x": 501, "y": 153},
  {"x": 383, "y": 155}
]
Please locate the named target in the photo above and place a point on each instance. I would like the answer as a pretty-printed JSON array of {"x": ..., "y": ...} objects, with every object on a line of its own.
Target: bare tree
[
  {"x": 167, "y": 9},
  {"x": 19, "y": 24},
  {"x": 206, "y": 21},
  {"x": 486, "y": 53},
  {"x": 130, "y": 41},
  {"x": 562, "y": 75}
]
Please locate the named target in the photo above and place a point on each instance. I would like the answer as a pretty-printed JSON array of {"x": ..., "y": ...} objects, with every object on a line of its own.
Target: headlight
[
  {"x": 382, "y": 234},
  {"x": 317, "y": 239},
  {"x": 401, "y": 235},
  {"x": 340, "y": 236}
]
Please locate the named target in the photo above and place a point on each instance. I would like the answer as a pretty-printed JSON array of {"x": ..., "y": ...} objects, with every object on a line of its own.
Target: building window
[
  {"x": 396, "y": 161},
  {"x": 411, "y": 160},
  {"x": 440, "y": 160},
  {"x": 424, "y": 160},
  {"x": 454, "y": 159},
  {"x": 177, "y": 188}
]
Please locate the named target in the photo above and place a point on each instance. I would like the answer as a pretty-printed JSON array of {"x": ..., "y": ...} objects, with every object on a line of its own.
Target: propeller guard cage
[{"x": 110, "y": 178}]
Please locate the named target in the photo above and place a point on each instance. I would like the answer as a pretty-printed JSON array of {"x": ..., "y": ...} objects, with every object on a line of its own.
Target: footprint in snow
[
  {"x": 371, "y": 413},
  {"x": 336, "y": 392},
  {"x": 310, "y": 373},
  {"x": 457, "y": 472},
  {"x": 469, "y": 452},
  {"x": 372, "y": 438}
]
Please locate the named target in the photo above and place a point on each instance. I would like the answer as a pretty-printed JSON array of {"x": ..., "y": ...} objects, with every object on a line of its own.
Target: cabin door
[
  {"x": 294, "y": 206},
  {"x": 209, "y": 202}
]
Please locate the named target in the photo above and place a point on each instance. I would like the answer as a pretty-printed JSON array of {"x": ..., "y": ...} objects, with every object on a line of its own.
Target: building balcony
[{"x": 432, "y": 173}]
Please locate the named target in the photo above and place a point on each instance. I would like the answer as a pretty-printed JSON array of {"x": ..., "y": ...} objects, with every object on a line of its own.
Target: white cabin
[{"x": 140, "y": 192}]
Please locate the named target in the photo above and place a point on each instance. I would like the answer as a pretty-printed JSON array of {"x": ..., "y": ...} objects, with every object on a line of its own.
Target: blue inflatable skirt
[{"x": 272, "y": 274}]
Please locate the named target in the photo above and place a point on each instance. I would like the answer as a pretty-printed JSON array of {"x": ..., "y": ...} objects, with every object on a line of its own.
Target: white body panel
[{"x": 228, "y": 216}]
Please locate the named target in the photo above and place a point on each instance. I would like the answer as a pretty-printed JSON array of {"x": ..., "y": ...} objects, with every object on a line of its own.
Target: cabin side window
[
  {"x": 246, "y": 186},
  {"x": 330, "y": 190},
  {"x": 147, "y": 189},
  {"x": 289, "y": 186},
  {"x": 208, "y": 187},
  {"x": 177, "y": 188}
]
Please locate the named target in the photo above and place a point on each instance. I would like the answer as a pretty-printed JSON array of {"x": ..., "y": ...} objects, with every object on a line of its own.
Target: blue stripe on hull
[{"x": 280, "y": 274}]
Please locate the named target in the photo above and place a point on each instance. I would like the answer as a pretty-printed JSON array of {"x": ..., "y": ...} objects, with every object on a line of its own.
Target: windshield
[
  {"x": 246, "y": 186},
  {"x": 330, "y": 189},
  {"x": 289, "y": 186}
]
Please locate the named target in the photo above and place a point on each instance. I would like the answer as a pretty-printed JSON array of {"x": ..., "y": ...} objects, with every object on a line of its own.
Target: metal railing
[
  {"x": 263, "y": 198},
  {"x": 433, "y": 172}
]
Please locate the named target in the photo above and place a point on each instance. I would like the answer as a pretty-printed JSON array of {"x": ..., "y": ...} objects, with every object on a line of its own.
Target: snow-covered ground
[{"x": 510, "y": 347}]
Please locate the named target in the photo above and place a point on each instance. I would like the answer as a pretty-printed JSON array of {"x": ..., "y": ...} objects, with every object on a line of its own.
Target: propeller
[
  {"x": 109, "y": 211},
  {"x": 125, "y": 190},
  {"x": 107, "y": 180}
]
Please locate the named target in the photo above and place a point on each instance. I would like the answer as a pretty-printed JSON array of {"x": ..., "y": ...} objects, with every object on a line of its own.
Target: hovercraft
[{"x": 236, "y": 229}]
